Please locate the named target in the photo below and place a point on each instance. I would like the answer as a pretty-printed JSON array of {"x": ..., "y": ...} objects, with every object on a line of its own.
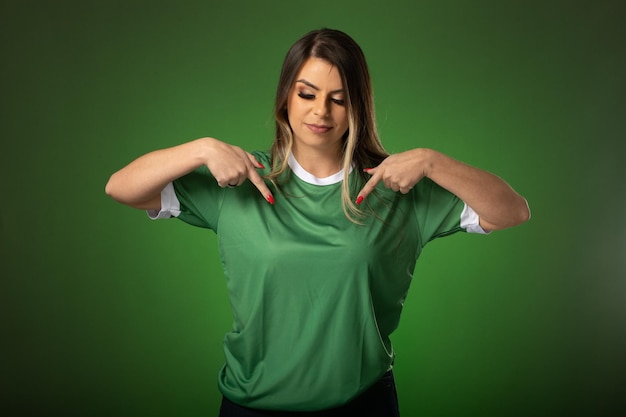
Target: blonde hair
[{"x": 361, "y": 144}]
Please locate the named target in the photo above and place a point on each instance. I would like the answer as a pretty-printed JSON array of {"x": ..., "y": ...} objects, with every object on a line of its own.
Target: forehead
[{"x": 321, "y": 73}]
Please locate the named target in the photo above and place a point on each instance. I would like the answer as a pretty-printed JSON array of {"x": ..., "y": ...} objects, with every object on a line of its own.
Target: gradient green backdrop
[{"x": 105, "y": 313}]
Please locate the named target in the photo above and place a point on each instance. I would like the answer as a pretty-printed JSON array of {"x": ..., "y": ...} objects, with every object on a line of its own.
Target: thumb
[
  {"x": 370, "y": 171},
  {"x": 254, "y": 161}
]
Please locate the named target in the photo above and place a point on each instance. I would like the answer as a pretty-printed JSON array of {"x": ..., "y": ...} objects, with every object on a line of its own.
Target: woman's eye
[
  {"x": 306, "y": 96},
  {"x": 339, "y": 101}
]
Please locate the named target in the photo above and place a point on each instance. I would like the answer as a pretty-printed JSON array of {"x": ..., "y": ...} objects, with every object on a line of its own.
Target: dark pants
[{"x": 381, "y": 400}]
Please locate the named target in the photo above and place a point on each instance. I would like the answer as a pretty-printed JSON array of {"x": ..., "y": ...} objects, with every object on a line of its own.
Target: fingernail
[
  {"x": 270, "y": 199},
  {"x": 261, "y": 165},
  {"x": 366, "y": 169},
  {"x": 359, "y": 200}
]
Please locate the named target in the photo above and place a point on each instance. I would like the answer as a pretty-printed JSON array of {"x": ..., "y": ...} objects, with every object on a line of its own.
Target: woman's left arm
[{"x": 498, "y": 206}]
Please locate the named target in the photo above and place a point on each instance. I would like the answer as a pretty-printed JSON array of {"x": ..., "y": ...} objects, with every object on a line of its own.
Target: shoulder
[
  {"x": 429, "y": 195},
  {"x": 262, "y": 156}
]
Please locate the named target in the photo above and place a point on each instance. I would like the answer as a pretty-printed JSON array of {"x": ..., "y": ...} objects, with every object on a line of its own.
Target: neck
[{"x": 318, "y": 163}]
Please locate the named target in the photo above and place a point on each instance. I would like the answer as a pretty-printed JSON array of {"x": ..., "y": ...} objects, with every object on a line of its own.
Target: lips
[{"x": 318, "y": 128}]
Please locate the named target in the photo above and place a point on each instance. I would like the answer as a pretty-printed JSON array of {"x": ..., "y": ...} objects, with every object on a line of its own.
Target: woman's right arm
[{"x": 139, "y": 184}]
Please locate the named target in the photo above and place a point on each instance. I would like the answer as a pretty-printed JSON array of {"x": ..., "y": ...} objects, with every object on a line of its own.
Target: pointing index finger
[
  {"x": 258, "y": 182},
  {"x": 369, "y": 185}
]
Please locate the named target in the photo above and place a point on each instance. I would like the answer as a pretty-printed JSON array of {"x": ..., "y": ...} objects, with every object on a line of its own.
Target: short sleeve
[
  {"x": 170, "y": 206},
  {"x": 200, "y": 198},
  {"x": 438, "y": 211},
  {"x": 470, "y": 222}
]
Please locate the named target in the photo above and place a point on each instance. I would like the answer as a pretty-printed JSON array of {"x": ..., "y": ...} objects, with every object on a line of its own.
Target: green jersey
[{"x": 314, "y": 296}]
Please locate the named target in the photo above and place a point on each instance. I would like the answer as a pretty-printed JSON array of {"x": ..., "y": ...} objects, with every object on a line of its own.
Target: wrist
[
  {"x": 426, "y": 159},
  {"x": 204, "y": 148}
]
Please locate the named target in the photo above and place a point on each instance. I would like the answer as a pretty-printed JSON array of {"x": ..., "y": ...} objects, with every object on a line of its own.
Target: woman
[{"x": 318, "y": 265}]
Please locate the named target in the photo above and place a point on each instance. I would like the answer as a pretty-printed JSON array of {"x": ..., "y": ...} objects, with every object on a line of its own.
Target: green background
[{"x": 104, "y": 312}]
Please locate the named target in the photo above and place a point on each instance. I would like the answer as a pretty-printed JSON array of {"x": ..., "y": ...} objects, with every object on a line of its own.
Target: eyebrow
[{"x": 313, "y": 86}]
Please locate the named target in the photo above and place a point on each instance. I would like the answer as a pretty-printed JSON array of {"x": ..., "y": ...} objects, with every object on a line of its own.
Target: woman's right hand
[
  {"x": 139, "y": 184},
  {"x": 232, "y": 166}
]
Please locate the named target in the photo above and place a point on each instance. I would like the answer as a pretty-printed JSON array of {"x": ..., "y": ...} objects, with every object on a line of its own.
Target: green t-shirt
[{"x": 314, "y": 296}]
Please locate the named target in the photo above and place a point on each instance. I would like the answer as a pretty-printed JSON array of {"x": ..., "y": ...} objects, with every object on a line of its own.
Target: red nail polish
[
  {"x": 261, "y": 165},
  {"x": 270, "y": 199},
  {"x": 359, "y": 200}
]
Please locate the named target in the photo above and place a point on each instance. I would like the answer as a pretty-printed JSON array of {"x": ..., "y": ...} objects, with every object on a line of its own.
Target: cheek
[
  {"x": 342, "y": 117},
  {"x": 293, "y": 107}
]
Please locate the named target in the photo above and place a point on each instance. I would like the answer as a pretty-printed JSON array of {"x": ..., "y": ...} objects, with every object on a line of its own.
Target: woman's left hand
[
  {"x": 399, "y": 172},
  {"x": 496, "y": 203}
]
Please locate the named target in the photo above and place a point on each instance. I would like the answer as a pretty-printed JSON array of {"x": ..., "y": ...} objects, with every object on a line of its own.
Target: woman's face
[{"x": 316, "y": 108}]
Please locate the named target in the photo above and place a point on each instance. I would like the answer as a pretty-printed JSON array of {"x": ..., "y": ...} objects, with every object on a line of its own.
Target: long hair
[{"x": 361, "y": 144}]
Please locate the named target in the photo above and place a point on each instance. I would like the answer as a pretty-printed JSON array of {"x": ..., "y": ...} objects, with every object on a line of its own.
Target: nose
[{"x": 320, "y": 108}]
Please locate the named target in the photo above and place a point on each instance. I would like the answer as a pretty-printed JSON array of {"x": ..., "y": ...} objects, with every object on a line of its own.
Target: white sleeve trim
[
  {"x": 470, "y": 221},
  {"x": 170, "y": 206}
]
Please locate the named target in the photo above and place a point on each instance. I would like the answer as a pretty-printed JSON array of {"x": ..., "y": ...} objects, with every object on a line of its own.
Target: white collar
[{"x": 310, "y": 178}]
